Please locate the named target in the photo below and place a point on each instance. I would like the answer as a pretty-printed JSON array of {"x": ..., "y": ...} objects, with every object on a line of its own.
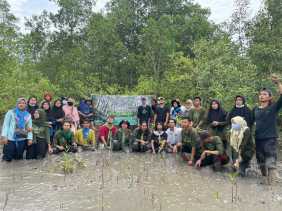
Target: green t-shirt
[
  {"x": 215, "y": 144},
  {"x": 64, "y": 138},
  {"x": 197, "y": 116},
  {"x": 189, "y": 137}
]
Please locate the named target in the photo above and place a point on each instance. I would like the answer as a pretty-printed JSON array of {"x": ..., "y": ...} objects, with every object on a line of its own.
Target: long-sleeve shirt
[
  {"x": 9, "y": 126},
  {"x": 71, "y": 112},
  {"x": 266, "y": 120}
]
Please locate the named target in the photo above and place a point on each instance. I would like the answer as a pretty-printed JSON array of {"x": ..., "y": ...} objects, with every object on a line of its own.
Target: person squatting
[{"x": 211, "y": 137}]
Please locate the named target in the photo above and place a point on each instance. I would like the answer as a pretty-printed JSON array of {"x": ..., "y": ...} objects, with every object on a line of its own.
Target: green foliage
[
  {"x": 25, "y": 82},
  {"x": 265, "y": 34},
  {"x": 167, "y": 48}
]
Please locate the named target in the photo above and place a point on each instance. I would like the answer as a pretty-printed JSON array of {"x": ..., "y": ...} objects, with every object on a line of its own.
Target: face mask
[
  {"x": 236, "y": 126},
  {"x": 70, "y": 103}
]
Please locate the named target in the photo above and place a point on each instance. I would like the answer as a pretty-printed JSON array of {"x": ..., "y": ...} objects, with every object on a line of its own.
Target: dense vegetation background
[{"x": 160, "y": 47}]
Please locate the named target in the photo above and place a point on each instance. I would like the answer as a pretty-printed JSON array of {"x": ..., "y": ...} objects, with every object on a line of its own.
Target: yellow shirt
[{"x": 91, "y": 139}]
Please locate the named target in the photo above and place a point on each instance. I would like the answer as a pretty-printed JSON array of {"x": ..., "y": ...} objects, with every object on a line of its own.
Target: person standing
[
  {"x": 216, "y": 120},
  {"x": 32, "y": 105},
  {"x": 240, "y": 109},
  {"x": 197, "y": 113},
  {"x": 162, "y": 113},
  {"x": 41, "y": 137},
  {"x": 188, "y": 106},
  {"x": 58, "y": 114},
  {"x": 265, "y": 120},
  {"x": 71, "y": 114},
  {"x": 144, "y": 112},
  {"x": 16, "y": 131}
]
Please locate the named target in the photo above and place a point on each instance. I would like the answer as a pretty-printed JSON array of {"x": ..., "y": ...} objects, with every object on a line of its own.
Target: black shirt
[
  {"x": 144, "y": 113},
  {"x": 266, "y": 120},
  {"x": 161, "y": 113}
]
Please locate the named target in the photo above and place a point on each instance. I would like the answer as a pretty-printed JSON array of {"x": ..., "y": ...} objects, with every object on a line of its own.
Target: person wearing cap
[
  {"x": 16, "y": 131},
  {"x": 159, "y": 139},
  {"x": 141, "y": 138},
  {"x": 266, "y": 135},
  {"x": 189, "y": 141},
  {"x": 162, "y": 113},
  {"x": 85, "y": 137},
  {"x": 144, "y": 112},
  {"x": 241, "y": 145},
  {"x": 122, "y": 140},
  {"x": 212, "y": 152},
  {"x": 197, "y": 113},
  {"x": 240, "y": 109},
  {"x": 71, "y": 114},
  {"x": 107, "y": 133},
  {"x": 173, "y": 136}
]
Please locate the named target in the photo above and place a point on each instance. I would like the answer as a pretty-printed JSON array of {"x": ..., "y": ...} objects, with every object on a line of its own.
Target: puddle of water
[{"x": 118, "y": 181}]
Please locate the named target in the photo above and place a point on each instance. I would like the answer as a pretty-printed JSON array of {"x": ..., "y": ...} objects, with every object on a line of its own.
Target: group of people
[{"x": 202, "y": 137}]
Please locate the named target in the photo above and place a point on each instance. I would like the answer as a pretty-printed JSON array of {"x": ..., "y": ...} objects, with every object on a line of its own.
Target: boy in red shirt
[{"x": 107, "y": 132}]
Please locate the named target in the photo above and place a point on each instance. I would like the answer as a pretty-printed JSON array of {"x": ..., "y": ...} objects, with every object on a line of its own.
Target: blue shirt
[{"x": 9, "y": 126}]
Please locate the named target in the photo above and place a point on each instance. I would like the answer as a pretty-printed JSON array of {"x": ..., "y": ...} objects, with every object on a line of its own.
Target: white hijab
[{"x": 236, "y": 136}]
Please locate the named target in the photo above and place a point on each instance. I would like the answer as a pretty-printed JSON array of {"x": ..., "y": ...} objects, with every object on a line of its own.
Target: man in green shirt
[
  {"x": 189, "y": 141},
  {"x": 212, "y": 152},
  {"x": 197, "y": 113},
  {"x": 64, "y": 139}
]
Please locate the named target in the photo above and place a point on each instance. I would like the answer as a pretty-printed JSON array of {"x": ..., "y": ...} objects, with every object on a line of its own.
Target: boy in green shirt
[
  {"x": 64, "y": 140},
  {"x": 189, "y": 141},
  {"x": 212, "y": 152}
]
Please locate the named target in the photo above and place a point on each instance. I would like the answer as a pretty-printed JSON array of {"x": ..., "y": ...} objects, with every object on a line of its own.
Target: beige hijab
[{"x": 236, "y": 136}]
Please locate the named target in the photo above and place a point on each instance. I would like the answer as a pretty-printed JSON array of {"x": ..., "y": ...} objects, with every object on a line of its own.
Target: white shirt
[{"x": 174, "y": 136}]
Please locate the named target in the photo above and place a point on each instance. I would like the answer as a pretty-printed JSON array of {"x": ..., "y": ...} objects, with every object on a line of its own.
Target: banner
[{"x": 122, "y": 107}]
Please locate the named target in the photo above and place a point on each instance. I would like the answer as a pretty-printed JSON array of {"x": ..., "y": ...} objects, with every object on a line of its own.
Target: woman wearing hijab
[
  {"x": 122, "y": 140},
  {"x": 58, "y": 114},
  {"x": 216, "y": 120},
  {"x": 16, "y": 131},
  {"x": 71, "y": 114},
  {"x": 32, "y": 105},
  {"x": 240, "y": 109},
  {"x": 241, "y": 144},
  {"x": 175, "y": 109},
  {"x": 45, "y": 105},
  {"x": 41, "y": 137}
]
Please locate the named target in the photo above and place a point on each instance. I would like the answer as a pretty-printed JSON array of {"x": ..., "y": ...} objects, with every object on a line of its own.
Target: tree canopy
[{"x": 159, "y": 47}]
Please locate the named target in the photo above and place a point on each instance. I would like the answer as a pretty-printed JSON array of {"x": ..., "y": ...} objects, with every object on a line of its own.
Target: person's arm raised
[{"x": 277, "y": 81}]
